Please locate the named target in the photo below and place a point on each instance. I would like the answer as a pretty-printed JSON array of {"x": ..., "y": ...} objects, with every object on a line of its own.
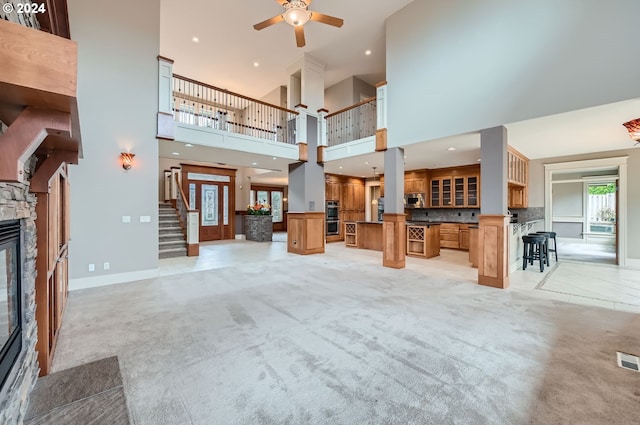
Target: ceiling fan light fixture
[
  {"x": 296, "y": 13},
  {"x": 633, "y": 127}
]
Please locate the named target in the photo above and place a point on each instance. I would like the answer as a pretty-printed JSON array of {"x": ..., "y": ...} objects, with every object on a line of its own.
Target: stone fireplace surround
[{"x": 17, "y": 203}]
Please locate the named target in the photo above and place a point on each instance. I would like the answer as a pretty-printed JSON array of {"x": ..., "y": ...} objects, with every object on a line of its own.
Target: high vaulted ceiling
[{"x": 228, "y": 47}]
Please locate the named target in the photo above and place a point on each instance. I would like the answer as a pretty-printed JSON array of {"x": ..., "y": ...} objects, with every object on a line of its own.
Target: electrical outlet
[
  {"x": 145, "y": 219},
  {"x": 106, "y": 266},
  {"x": 92, "y": 267}
]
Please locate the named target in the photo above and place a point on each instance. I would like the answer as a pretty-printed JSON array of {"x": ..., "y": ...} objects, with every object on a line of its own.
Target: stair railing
[{"x": 189, "y": 220}]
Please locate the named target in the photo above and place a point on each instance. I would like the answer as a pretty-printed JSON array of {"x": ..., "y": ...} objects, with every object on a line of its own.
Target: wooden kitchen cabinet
[
  {"x": 464, "y": 237},
  {"x": 441, "y": 192},
  {"x": 518, "y": 179},
  {"x": 466, "y": 192},
  {"x": 450, "y": 235},
  {"x": 332, "y": 191},
  {"x": 455, "y": 235},
  {"x": 415, "y": 182}
]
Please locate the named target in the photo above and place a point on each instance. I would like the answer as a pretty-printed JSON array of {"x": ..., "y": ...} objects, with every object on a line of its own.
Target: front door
[
  {"x": 212, "y": 195},
  {"x": 212, "y": 199}
]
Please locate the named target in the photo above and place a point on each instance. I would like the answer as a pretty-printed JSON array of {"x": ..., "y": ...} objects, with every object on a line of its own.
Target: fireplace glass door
[{"x": 10, "y": 293}]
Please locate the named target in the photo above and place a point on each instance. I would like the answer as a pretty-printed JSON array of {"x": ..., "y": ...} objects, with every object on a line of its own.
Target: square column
[
  {"x": 306, "y": 216},
  {"x": 394, "y": 220},
  {"x": 493, "y": 235}
]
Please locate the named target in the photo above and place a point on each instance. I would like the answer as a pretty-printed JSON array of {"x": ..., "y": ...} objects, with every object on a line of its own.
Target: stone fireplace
[{"x": 18, "y": 332}]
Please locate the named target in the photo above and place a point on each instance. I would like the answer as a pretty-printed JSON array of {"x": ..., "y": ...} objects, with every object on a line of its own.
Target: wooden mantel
[{"x": 38, "y": 90}]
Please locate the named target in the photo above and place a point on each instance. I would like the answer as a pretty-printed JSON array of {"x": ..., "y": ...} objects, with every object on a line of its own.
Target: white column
[
  {"x": 165, "y": 99},
  {"x": 301, "y": 124},
  {"x": 381, "y": 105},
  {"x": 322, "y": 127}
]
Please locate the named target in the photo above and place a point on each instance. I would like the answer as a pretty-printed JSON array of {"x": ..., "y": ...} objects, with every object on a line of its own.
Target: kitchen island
[
  {"x": 423, "y": 238},
  {"x": 363, "y": 234}
]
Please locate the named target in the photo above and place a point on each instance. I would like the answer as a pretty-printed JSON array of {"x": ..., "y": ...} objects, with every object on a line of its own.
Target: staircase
[{"x": 171, "y": 242}]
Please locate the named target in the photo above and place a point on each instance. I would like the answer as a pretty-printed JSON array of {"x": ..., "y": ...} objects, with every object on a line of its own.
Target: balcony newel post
[
  {"x": 381, "y": 116},
  {"x": 322, "y": 134},
  {"x": 165, "y": 98},
  {"x": 301, "y": 131}
]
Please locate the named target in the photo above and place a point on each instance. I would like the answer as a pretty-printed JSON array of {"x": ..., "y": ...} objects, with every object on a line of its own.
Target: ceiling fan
[{"x": 296, "y": 13}]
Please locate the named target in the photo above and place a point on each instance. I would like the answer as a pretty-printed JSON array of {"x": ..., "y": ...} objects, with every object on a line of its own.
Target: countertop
[
  {"x": 423, "y": 223},
  {"x": 525, "y": 220},
  {"x": 444, "y": 221}
]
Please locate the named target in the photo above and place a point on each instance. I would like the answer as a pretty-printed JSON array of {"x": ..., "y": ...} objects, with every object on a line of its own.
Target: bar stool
[
  {"x": 545, "y": 246},
  {"x": 534, "y": 249},
  {"x": 552, "y": 235}
]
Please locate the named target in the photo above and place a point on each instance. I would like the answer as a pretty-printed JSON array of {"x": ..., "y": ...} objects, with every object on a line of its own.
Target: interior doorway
[{"x": 585, "y": 204}]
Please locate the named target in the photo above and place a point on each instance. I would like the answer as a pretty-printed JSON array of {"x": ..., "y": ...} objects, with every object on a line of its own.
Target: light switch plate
[
  {"x": 145, "y": 219},
  {"x": 126, "y": 219}
]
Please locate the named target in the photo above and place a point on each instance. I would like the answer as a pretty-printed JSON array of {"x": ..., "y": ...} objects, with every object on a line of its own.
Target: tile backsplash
[
  {"x": 462, "y": 215},
  {"x": 468, "y": 215}
]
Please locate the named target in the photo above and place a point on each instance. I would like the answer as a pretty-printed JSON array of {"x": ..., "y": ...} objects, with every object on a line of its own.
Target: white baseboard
[
  {"x": 240, "y": 237},
  {"x": 110, "y": 279},
  {"x": 632, "y": 263}
]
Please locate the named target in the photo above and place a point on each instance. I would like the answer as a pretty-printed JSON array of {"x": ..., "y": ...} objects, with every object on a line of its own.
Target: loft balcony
[{"x": 191, "y": 111}]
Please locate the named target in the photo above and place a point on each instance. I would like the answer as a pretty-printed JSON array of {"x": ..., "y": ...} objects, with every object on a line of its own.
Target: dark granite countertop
[
  {"x": 445, "y": 221},
  {"x": 525, "y": 220},
  {"x": 365, "y": 222}
]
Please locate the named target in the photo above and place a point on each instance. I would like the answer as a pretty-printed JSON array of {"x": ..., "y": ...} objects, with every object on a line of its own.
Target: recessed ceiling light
[
  {"x": 451, "y": 149},
  {"x": 274, "y": 157},
  {"x": 256, "y": 64},
  {"x": 366, "y": 163},
  {"x": 175, "y": 153},
  {"x": 340, "y": 167},
  {"x": 188, "y": 145},
  {"x": 479, "y": 159},
  {"x": 367, "y": 52},
  {"x": 254, "y": 163},
  {"x": 405, "y": 157},
  {"x": 195, "y": 40}
]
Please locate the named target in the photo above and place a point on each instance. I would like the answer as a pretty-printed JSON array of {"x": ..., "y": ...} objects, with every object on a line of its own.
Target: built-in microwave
[{"x": 414, "y": 200}]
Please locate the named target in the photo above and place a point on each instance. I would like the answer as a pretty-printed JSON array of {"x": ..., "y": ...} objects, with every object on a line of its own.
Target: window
[
  {"x": 601, "y": 205},
  {"x": 272, "y": 197}
]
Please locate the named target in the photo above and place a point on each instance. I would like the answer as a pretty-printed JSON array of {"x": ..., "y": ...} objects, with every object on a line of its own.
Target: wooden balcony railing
[
  {"x": 355, "y": 122},
  {"x": 203, "y": 105}
]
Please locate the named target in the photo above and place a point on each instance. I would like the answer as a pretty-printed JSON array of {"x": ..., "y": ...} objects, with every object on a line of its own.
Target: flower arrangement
[{"x": 259, "y": 209}]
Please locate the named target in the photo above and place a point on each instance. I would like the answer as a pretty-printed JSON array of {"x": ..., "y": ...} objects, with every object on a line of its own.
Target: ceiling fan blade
[
  {"x": 326, "y": 19},
  {"x": 268, "y": 22},
  {"x": 300, "y": 35}
]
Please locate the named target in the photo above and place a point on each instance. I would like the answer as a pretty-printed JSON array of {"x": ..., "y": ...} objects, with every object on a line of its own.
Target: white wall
[
  {"x": 346, "y": 93},
  {"x": 339, "y": 95},
  {"x": 118, "y": 100},
  {"x": 568, "y": 200},
  {"x": 464, "y": 65}
]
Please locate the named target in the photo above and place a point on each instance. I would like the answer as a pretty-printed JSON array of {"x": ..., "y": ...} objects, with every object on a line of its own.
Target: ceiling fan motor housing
[{"x": 296, "y": 12}]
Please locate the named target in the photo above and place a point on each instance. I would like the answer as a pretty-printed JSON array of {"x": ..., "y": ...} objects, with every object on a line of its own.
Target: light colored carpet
[{"x": 338, "y": 339}]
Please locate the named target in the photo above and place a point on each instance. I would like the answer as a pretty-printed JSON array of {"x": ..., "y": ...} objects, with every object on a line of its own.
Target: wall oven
[{"x": 332, "y": 218}]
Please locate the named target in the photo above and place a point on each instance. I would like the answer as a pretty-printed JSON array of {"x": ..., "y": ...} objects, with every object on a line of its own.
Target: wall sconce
[
  {"x": 127, "y": 160},
  {"x": 633, "y": 127}
]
